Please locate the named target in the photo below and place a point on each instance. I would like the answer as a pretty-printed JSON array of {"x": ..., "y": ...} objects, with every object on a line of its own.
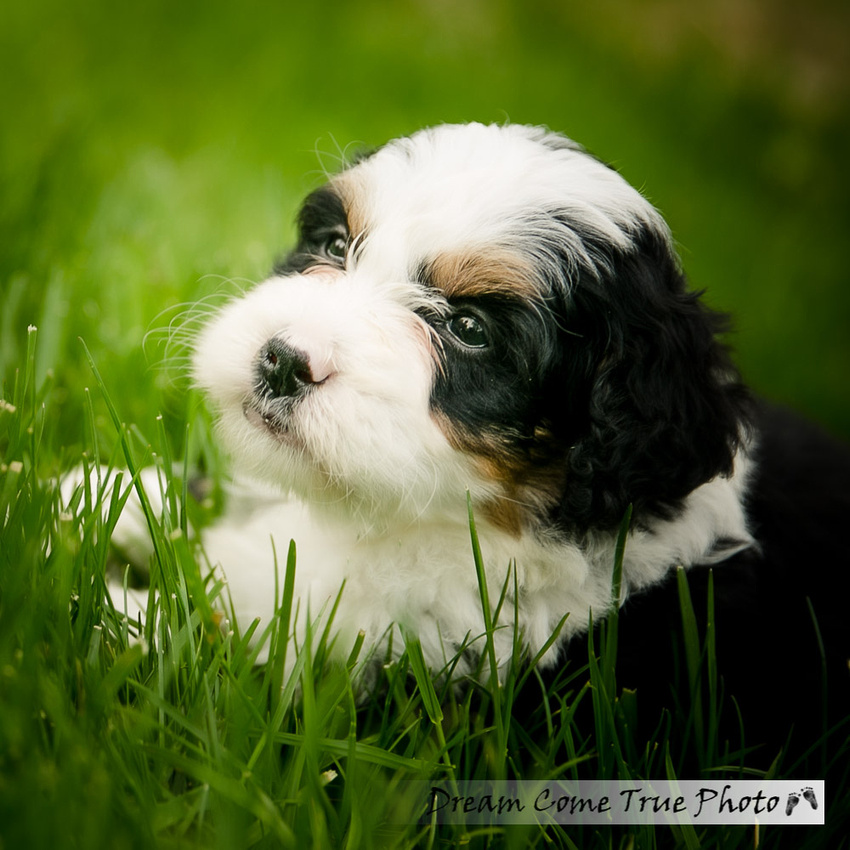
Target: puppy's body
[
  {"x": 491, "y": 310},
  {"x": 421, "y": 574}
]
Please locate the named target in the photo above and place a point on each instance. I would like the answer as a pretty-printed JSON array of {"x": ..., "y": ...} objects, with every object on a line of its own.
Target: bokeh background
[{"x": 151, "y": 150}]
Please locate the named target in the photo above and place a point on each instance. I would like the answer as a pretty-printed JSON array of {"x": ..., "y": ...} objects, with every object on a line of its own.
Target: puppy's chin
[
  {"x": 267, "y": 449},
  {"x": 367, "y": 467},
  {"x": 273, "y": 424},
  {"x": 377, "y": 463}
]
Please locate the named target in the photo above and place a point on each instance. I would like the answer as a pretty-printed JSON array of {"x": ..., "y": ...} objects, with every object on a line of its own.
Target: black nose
[{"x": 284, "y": 372}]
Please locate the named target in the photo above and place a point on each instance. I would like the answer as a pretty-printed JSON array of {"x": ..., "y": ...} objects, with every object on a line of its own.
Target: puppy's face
[{"x": 461, "y": 312}]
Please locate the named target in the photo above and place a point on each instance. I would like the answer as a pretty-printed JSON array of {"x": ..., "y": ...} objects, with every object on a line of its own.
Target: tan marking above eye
[
  {"x": 496, "y": 272},
  {"x": 350, "y": 186}
]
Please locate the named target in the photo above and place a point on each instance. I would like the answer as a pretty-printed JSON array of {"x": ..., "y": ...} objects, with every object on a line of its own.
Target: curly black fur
[{"x": 666, "y": 407}]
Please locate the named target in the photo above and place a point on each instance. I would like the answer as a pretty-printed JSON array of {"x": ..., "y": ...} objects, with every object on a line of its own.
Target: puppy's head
[{"x": 477, "y": 307}]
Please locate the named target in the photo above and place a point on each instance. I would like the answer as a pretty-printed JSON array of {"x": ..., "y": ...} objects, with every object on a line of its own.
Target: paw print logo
[{"x": 807, "y": 793}]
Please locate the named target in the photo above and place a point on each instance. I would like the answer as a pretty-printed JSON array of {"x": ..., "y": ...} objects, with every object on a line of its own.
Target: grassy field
[{"x": 154, "y": 154}]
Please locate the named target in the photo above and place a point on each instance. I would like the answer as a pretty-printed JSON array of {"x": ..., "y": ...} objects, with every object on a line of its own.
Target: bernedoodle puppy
[{"x": 489, "y": 312}]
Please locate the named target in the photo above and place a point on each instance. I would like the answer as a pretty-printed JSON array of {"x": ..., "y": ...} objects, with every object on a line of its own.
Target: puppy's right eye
[{"x": 335, "y": 248}]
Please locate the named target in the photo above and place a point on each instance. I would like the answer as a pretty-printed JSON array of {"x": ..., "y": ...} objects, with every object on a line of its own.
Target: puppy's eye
[
  {"x": 469, "y": 330},
  {"x": 336, "y": 248}
]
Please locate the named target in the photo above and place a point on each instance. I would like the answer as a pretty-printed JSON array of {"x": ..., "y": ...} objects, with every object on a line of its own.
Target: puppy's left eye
[{"x": 469, "y": 330}]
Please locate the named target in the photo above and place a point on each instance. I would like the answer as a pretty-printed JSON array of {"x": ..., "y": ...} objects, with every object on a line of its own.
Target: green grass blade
[
  {"x": 693, "y": 659},
  {"x": 489, "y": 627}
]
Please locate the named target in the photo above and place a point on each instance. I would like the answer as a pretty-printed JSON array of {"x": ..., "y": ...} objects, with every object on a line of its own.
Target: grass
[{"x": 169, "y": 735}]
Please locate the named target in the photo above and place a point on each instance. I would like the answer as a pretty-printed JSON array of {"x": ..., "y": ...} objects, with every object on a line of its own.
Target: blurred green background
[{"x": 150, "y": 150}]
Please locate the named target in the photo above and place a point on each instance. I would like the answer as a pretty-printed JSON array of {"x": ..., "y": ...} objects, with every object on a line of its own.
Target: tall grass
[{"x": 168, "y": 734}]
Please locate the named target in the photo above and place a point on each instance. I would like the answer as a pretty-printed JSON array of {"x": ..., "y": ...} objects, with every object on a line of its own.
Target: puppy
[{"x": 490, "y": 312}]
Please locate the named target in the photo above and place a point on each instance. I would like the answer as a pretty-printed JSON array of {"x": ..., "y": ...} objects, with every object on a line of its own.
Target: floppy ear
[{"x": 666, "y": 407}]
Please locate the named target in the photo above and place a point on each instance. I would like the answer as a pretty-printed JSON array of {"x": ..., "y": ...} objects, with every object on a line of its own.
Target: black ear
[{"x": 666, "y": 407}]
